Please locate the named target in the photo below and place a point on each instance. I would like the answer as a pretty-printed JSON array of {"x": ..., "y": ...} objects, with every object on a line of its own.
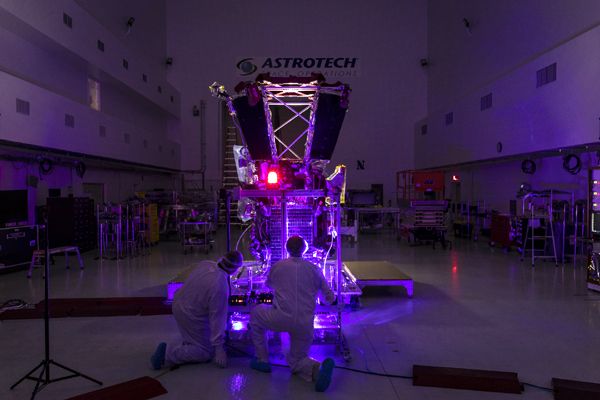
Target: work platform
[
  {"x": 367, "y": 273},
  {"x": 379, "y": 273}
]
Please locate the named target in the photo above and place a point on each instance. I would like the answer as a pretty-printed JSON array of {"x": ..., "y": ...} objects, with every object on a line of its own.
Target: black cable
[
  {"x": 528, "y": 166},
  {"x": 163, "y": 373},
  {"x": 537, "y": 387},
  {"x": 45, "y": 166},
  {"x": 13, "y": 304},
  {"x": 80, "y": 169},
  {"x": 360, "y": 371},
  {"x": 569, "y": 167}
]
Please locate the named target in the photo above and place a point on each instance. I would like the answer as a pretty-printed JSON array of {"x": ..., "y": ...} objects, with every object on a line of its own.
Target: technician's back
[{"x": 297, "y": 283}]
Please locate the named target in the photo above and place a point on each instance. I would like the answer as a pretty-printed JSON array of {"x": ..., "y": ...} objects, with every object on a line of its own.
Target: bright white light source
[{"x": 272, "y": 178}]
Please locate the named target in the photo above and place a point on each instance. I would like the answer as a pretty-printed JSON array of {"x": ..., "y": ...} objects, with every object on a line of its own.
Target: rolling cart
[{"x": 195, "y": 234}]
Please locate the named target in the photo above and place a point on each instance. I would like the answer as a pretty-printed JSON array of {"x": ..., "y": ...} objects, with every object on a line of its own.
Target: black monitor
[
  {"x": 13, "y": 207},
  {"x": 361, "y": 198}
]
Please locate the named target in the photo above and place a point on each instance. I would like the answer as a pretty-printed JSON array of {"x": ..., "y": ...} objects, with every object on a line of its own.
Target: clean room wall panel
[
  {"x": 45, "y": 126},
  {"x": 42, "y": 22},
  {"x": 525, "y": 118}
]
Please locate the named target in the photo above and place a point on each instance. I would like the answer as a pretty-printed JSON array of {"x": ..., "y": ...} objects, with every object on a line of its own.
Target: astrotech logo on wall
[{"x": 299, "y": 66}]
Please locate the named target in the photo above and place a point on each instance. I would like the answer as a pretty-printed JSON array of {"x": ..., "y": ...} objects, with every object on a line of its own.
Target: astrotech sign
[{"x": 298, "y": 66}]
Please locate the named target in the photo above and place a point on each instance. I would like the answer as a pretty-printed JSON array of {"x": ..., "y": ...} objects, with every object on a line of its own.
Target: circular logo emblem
[{"x": 246, "y": 66}]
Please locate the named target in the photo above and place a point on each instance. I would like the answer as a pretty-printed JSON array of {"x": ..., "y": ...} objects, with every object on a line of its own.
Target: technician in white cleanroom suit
[
  {"x": 296, "y": 283},
  {"x": 200, "y": 309}
]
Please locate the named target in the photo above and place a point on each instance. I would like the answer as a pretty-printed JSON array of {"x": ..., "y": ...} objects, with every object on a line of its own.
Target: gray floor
[{"x": 474, "y": 307}]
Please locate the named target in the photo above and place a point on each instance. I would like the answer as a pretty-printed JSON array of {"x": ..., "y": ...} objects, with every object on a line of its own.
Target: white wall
[
  {"x": 45, "y": 126},
  {"x": 47, "y": 64},
  {"x": 206, "y": 40},
  {"x": 508, "y": 42},
  {"x": 524, "y": 118},
  {"x": 504, "y": 35},
  {"x": 148, "y": 34},
  {"x": 41, "y": 66},
  {"x": 42, "y": 23}
]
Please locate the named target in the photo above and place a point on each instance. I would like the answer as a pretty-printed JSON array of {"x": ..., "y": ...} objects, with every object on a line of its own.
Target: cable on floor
[
  {"x": 537, "y": 387},
  {"x": 360, "y": 371},
  {"x": 385, "y": 375},
  {"x": 13, "y": 304},
  {"x": 337, "y": 366},
  {"x": 163, "y": 373},
  {"x": 362, "y": 353}
]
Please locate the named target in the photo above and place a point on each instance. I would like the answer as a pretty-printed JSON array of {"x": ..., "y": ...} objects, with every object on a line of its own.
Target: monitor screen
[
  {"x": 362, "y": 198},
  {"x": 13, "y": 207}
]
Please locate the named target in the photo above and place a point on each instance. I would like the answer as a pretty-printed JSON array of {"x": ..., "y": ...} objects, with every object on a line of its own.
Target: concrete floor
[{"x": 474, "y": 307}]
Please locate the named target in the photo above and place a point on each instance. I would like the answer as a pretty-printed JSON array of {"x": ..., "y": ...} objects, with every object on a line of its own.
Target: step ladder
[
  {"x": 229, "y": 177},
  {"x": 539, "y": 222}
]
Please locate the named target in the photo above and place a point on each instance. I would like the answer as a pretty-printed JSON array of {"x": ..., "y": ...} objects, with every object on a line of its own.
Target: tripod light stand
[{"x": 43, "y": 378}]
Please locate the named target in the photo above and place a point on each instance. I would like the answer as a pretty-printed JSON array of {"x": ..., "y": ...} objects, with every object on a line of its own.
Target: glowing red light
[
  {"x": 455, "y": 178},
  {"x": 272, "y": 178}
]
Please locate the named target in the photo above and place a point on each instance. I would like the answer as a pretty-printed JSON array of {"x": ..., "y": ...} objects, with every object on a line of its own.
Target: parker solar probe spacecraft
[{"x": 288, "y": 128}]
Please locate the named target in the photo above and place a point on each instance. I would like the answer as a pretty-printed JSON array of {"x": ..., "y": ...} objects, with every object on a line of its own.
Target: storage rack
[
  {"x": 72, "y": 223},
  {"x": 470, "y": 218},
  {"x": 137, "y": 229},
  {"x": 110, "y": 229},
  {"x": 537, "y": 221},
  {"x": 593, "y": 231}
]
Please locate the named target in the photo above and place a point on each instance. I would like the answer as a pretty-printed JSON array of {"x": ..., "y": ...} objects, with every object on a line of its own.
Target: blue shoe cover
[
  {"x": 324, "y": 376},
  {"x": 158, "y": 358}
]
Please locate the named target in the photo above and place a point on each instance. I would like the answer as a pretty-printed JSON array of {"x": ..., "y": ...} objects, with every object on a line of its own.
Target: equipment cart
[{"x": 195, "y": 234}]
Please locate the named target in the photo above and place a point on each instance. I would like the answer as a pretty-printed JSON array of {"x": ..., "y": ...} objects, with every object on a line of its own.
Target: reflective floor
[{"x": 474, "y": 307}]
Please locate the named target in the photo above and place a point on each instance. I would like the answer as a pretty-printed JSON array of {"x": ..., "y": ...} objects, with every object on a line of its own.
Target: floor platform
[
  {"x": 367, "y": 273},
  {"x": 379, "y": 273}
]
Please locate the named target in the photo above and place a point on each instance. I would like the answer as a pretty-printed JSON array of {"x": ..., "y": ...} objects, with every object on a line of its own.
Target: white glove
[{"x": 220, "y": 357}]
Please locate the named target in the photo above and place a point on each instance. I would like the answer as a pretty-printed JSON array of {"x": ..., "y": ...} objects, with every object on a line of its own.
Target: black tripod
[{"x": 43, "y": 378}]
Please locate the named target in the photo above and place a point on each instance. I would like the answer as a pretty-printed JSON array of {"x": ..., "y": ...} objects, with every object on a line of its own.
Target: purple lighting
[
  {"x": 239, "y": 321},
  {"x": 173, "y": 287},
  {"x": 237, "y": 325},
  {"x": 237, "y": 384},
  {"x": 326, "y": 321}
]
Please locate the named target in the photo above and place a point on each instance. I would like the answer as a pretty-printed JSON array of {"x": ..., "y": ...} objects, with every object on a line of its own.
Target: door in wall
[
  {"x": 94, "y": 191},
  {"x": 455, "y": 195}
]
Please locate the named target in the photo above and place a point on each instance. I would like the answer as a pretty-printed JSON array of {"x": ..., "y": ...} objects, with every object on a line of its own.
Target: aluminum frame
[
  {"x": 284, "y": 196},
  {"x": 288, "y": 95}
]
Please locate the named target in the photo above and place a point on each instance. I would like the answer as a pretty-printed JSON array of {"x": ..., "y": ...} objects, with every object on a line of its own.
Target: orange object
[{"x": 428, "y": 181}]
